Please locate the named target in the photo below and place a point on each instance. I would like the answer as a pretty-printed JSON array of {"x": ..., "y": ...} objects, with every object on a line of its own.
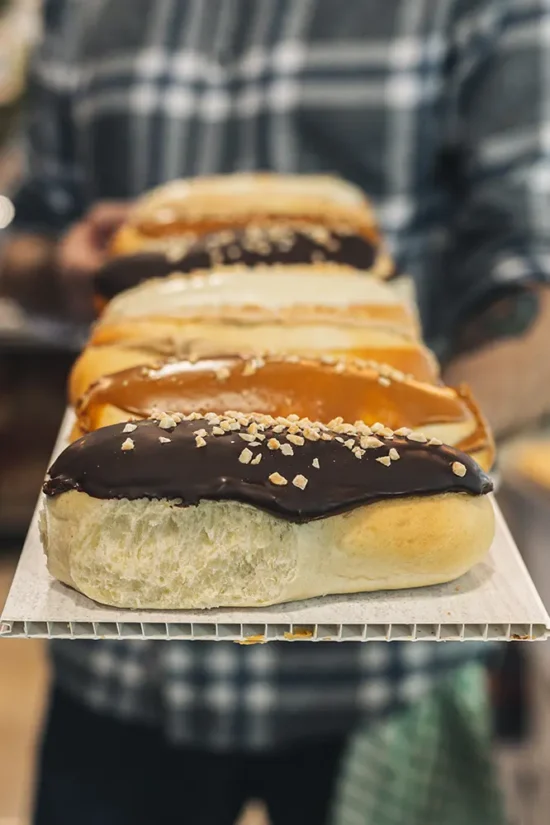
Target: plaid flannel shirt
[{"x": 439, "y": 109}]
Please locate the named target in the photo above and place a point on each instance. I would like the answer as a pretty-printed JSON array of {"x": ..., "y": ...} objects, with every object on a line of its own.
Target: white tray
[{"x": 496, "y": 600}]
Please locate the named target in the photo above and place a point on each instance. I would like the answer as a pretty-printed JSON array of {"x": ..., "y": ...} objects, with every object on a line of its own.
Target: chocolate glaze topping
[
  {"x": 237, "y": 247},
  {"x": 196, "y": 463}
]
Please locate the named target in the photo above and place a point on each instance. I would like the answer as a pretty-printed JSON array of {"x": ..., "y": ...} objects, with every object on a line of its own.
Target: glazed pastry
[
  {"x": 210, "y": 204},
  {"x": 248, "y": 510},
  {"x": 102, "y": 359}
]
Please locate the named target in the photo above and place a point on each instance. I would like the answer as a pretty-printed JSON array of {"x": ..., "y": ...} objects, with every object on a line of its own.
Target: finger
[
  {"x": 79, "y": 252},
  {"x": 108, "y": 215}
]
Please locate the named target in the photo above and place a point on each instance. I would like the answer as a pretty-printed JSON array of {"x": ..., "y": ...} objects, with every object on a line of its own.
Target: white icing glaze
[{"x": 273, "y": 287}]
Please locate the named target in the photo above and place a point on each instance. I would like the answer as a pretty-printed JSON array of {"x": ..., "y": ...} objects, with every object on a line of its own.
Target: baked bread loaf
[
  {"x": 252, "y": 245},
  {"x": 319, "y": 389},
  {"x": 102, "y": 359},
  {"x": 241, "y": 510}
]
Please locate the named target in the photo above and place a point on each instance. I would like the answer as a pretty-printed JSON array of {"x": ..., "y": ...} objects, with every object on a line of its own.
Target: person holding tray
[{"x": 436, "y": 112}]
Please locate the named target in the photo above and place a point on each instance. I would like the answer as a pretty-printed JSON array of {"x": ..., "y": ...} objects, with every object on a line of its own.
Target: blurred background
[{"x": 34, "y": 362}]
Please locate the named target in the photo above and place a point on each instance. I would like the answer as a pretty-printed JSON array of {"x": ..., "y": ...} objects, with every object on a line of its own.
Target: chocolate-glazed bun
[
  {"x": 241, "y": 509},
  {"x": 251, "y": 246}
]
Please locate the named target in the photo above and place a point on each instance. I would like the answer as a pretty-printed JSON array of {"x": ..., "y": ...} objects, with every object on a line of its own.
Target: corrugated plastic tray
[{"x": 496, "y": 600}]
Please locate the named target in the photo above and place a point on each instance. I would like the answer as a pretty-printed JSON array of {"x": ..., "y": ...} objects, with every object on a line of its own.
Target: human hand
[
  {"x": 510, "y": 378},
  {"x": 83, "y": 250}
]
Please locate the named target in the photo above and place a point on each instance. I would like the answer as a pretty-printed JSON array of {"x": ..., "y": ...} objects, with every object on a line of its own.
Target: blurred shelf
[{"x": 20, "y": 331}]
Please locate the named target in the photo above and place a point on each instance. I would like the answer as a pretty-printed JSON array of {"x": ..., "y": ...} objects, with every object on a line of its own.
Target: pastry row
[{"x": 257, "y": 417}]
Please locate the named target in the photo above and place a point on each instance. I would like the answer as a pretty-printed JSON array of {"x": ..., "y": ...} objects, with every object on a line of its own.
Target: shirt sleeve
[
  {"x": 498, "y": 163},
  {"x": 50, "y": 194}
]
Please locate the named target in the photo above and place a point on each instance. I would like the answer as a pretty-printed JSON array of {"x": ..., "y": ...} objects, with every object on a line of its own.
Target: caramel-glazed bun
[
  {"x": 240, "y": 510},
  {"x": 123, "y": 352},
  {"x": 210, "y": 204},
  {"x": 320, "y": 389}
]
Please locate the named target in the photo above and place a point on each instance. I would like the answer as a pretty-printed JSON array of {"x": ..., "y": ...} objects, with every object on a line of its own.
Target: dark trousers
[{"x": 96, "y": 771}]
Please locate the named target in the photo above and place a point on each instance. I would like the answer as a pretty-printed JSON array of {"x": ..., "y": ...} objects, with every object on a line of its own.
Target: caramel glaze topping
[
  {"x": 289, "y": 467},
  {"x": 317, "y": 388},
  {"x": 253, "y": 246},
  {"x": 413, "y": 360}
]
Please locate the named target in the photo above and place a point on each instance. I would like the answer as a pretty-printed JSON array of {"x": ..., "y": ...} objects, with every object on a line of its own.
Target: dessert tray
[{"x": 496, "y": 600}]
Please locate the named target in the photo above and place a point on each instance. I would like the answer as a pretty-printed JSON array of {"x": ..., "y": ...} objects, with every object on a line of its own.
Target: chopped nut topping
[
  {"x": 225, "y": 426},
  {"x": 358, "y": 452},
  {"x": 383, "y": 381},
  {"x": 403, "y": 431},
  {"x": 459, "y": 469},
  {"x": 164, "y": 440},
  {"x": 296, "y": 439},
  {"x": 223, "y": 373},
  {"x": 129, "y": 428},
  {"x": 256, "y": 459},
  {"x": 326, "y": 437},
  {"x": 233, "y": 252},
  {"x": 311, "y": 435},
  {"x": 394, "y": 455},
  {"x": 167, "y": 422},
  {"x": 278, "y": 479},
  {"x": 293, "y": 417},
  {"x": 247, "y": 436},
  {"x": 419, "y": 437},
  {"x": 370, "y": 442},
  {"x": 249, "y": 368},
  {"x": 350, "y": 443},
  {"x": 127, "y": 445},
  {"x": 434, "y": 442},
  {"x": 234, "y": 425},
  {"x": 386, "y": 433},
  {"x": 199, "y": 441},
  {"x": 315, "y": 463},
  {"x": 273, "y": 444},
  {"x": 335, "y": 422},
  {"x": 384, "y": 459},
  {"x": 194, "y": 416},
  {"x": 280, "y": 428},
  {"x": 286, "y": 449},
  {"x": 202, "y": 433},
  {"x": 252, "y": 428},
  {"x": 217, "y": 431},
  {"x": 377, "y": 427},
  {"x": 246, "y": 456},
  {"x": 300, "y": 481}
]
